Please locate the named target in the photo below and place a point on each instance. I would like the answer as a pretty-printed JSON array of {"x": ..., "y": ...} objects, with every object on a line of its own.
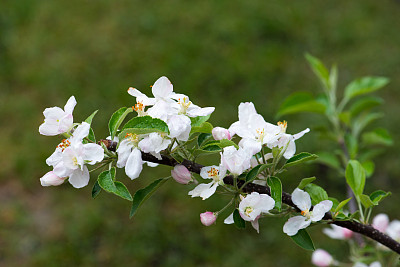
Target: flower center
[
  {"x": 306, "y": 213},
  {"x": 283, "y": 126},
  {"x": 133, "y": 138},
  {"x": 139, "y": 108},
  {"x": 261, "y": 134},
  {"x": 214, "y": 173},
  {"x": 184, "y": 103},
  {"x": 64, "y": 144},
  {"x": 248, "y": 210},
  {"x": 75, "y": 161}
]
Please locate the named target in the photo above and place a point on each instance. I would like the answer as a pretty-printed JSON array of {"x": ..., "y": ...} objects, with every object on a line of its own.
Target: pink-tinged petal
[
  {"x": 162, "y": 88},
  {"x": 79, "y": 178},
  {"x": 66, "y": 123},
  {"x": 220, "y": 133},
  {"x": 93, "y": 153},
  {"x": 51, "y": 179},
  {"x": 229, "y": 219},
  {"x": 246, "y": 110},
  {"x": 70, "y": 105},
  {"x": 337, "y": 232},
  {"x": 294, "y": 224},
  {"x": 321, "y": 258},
  {"x": 208, "y": 218},
  {"x": 134, "y": 164},
  {"x": 61, "y": 170},
  {"x": 320, "y": 209},
  {"x": 256, "y": 225},
  {"x": 301, "y": 199},
  {"x": 250, "y": 145},
  {"x": 393, "y": 230},
  {"x": 381, "y": 222},
  {"x": 181, "y": 174},
  {"x": 300, "y": 134}
]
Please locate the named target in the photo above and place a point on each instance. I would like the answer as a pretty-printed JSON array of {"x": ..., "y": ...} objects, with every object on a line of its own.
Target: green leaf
[
  {"x": 328, "y": 159},
  {"x": 364, "y": 85},
  {"x": 341, "y": 205},
  {"x": 300, "y": 102},
  {"x": 91, "y": 135},
  {"x": 145, "y": 124},
  {"x": 303, "y": 239},
  {"x": 379, "y": 136},
  {"x": 252, "y": 174},
  {"x": 225, "y": 143},
  {"x": 363, "y": 121},
  {"x": 205, "y": 127},
  {"x": 238, "y": 220},
  {"x": 366, "y": 201},
  {"x": 351, "y": 144},
  {"x": 320, "y": 71},
  {"x": 369, "y": 167},
  {"x": 143, "y": 194},
  {"x": 378, "y": 195},
  {"x": 202, "y": 138},
  {"x": 316, "y": 193},
  {"x": 90, "y": 118},
  {"x": 305, "y": 182},
  {"x": 96, "y": 190},
  {"x": 276, "y": 190},
  {"x": 116, "y": 119},
  {"x": 355, "y": 177},
  {"x": 197, "y": 121},
  {"x": 364, "y": 104},
  {"x": 107, "y": 181},
  {"x": 300, "y": 158}
]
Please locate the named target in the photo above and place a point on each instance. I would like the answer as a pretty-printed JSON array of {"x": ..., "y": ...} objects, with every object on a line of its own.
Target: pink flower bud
[
  {"x": 380, "y": 222},
  {"x": 220, "y": 133},
  {"x": 181, "y": 174},
  {"x": 321, "y": 258},
  {"x": 207, "y": 218},
  {"x": 51, "y": 178}
]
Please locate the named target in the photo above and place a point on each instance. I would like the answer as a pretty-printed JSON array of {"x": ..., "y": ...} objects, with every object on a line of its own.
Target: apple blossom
[
  {"x": 393, "y": 230},
  {"x": 181, "y": 174},
  {"x": 207, "y": 218},
  {"x": 129, "y": 156},
  {"x": 154, "y": 143},
  {"x": 235, "y": 160},
  {"x": 220, "y": 133},
  {"x": 206, "y": 190},
  {"x": 337, "y": 232},
  {"x": 56, "y": 120},
  {"x": 186, "y": 107},
  {"x": 321, "y": 258},
  {"x": 303, "y": 201},
  {"x": 51, "y": 178},
  {"x": 179, "y": 127},
  {"x": 380, "y": 222},
  {"x": 251, "y": 207}
]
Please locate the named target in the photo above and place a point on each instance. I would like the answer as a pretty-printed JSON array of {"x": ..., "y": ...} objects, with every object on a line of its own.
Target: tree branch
[{"x": 366, "y": 230}]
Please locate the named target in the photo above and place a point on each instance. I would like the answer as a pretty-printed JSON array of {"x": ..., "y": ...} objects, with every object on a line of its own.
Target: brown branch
[{"x": 366, "y": 230}]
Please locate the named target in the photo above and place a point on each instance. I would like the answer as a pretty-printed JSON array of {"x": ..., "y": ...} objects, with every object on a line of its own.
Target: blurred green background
[{"x": 219, "y": 53}]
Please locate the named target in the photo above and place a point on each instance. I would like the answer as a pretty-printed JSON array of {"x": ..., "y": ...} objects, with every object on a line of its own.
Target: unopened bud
[
  {"x": 51, "y": 178},
  {"x": 207, "y": 218},
  {"x": 380, "y": 222},
  {"x": 321, "y": 258},
  {"x": 181, "y": 174},
  {"x": 220, "y": 133}
]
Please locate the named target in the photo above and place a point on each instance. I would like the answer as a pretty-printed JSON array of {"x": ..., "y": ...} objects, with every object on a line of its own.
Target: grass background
[{"x": 219, "y": 53}]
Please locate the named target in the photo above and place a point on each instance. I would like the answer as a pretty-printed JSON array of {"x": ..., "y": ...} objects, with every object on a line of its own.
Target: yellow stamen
[
  {"x": 248, "y": 210},
  {"x": 213, "y": 172},
  {"x": 64, "y": 144},
  {"x": 283, "y": 126}
]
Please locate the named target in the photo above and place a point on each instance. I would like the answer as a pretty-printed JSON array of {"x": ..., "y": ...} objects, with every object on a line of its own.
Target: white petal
[
  {"x": 51, "y": 178},
  {"x": 179, "y": 127},
  {"x": 300, "y": 134},
  {"x": 320, "y": 209},
  {"x": 162, "y": 88},
  {"x": 255, "y": 225},
  {"x": 245, "y": 110},
  {"x": 123, "y": 151},
  {"x": 294, "y": 224},
  {"x": 301, "y": 199},
  {"x": 335, "y": 232},
  {"x": 196, "y": 112},
  {"x": 134, "y": 164},
  {"x": 53, "y": 113},
  {"x": 250, "y": 145},
  {"x": 229, "y": 219},
  {"x": 81, "y": 132},
  {"x": 70, "y": 105},
  {"x": 209, "y": 192},
  {"x": 48, "y": 128},
  {"x": 196, "y": 192},
  {"x": 140, "y": 97},
  {"x": 65, "y": 124},
  {"x": 79, "y": 178},
  {"x": 93, "y": 153},
  {"x": 375, "y": 264},
  {"x": 290, "y": 150},
  {"x": 55, "y": 158},
  {"x": 266, "y": 203},
  {"x": 61, "y": 170}
]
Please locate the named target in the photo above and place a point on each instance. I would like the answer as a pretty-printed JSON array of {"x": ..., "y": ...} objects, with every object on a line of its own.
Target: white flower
[
  {"x": 56, "y": 120},
  {"x": 381, "y": 222},
  {"x": 253, "y": 129},
  {"x": 285, "y": 138},
  {"x": 303, "y": 201},
  {"x": 321, "y": 258},
  {"x": 393, "y": 230},
  {"x": 220, "y": 133},
  {"x": 179, "y": 127},
  {"x": 206, "y": 190},
  {"x": 71, "y": 156},
  {"x": 337, "y": 232},
  {"x": 235, "y": 160},
  {"x": 251, "y": 207},
  {"x": 154, "y": 143},
  {"x": 129, "y": 156},
  {"x": 186, "y": 107}
]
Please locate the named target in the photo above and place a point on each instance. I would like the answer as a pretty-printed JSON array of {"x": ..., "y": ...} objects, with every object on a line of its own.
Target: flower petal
[
  {"x": 134, "y": 164},
  {"x": 162, "y": 88},
  {"x": 93, "y": 153},
  {"x": 229, "y": 219},
  {"x": 301, "y": 199},
  {"x": 255, "y": 225},
  {"x": 79, "y": 178},
  {"x": 294, "y": 224},
  {"x": 70, "y": 105},
  {"x": 320, "y": 209}
]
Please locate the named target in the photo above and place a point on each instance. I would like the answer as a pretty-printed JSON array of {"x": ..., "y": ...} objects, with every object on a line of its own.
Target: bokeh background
[{"x": 219, "y": 53}]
